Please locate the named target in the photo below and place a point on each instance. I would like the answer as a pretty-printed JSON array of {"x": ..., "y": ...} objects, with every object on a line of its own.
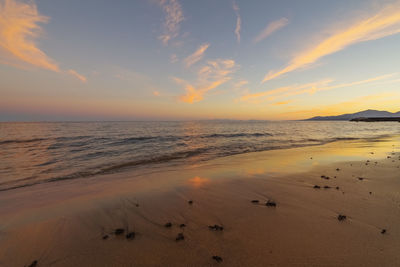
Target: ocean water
[{"x": 42, "y": 152}]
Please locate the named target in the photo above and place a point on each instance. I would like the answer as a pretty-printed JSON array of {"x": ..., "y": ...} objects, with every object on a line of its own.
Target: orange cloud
[
  {"x": 309, "y": 88},
  {"x": 210, "y": 76},
  {"x": 238, "y": 21},
  {"x": 19, "y": 27},
  {"x": 271, "y": 28},
  {"x": 386, "y": 22},
  {"x": 173, "y": 58},
  {"x": 197, "y": 55},
  {"x": 287, "y": 90},
  {"x": 375, "y": 101},
  {"x": 174, "y": 16},
  {"x": 78, "y": 76},
  {"x": 282, "y": 103}
]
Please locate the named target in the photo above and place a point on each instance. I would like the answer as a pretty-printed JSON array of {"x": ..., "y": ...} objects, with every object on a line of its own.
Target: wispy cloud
[
  {"x": 271, "y": 28},
  {"x": 383, "y": 100},
  {"x": 19, "y": 29},
  {"x": 77, "y": 75},
  {"x": 309, "y": 88},
  {"x": 173, "y": 17},
  {"x": 197, "y": 55},
  {"x": 210, "y": 76},
  {"x": 173, "y": 58},
  {"x": 384, "y": 23},
  {"x": 282, "y": 103},
  {"x": 240, "y": 83},
  {"x": 238, "y": 21},
  {"x": 286, "y": 91}
]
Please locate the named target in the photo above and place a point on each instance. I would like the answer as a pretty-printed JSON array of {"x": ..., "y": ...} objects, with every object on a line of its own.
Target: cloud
[
  {"x": 174, "y": 16},
  {"x": 238, "y": 21},
  {"x": 271, "y": 28},
  {"x": 210, "y": 76},
  {"x": 240, "y": 83},
  {"x": 285, "y": 91},
  {"x": 173, "y": 58},
  {"x": 309, "y": 88},
  {"x": 384, "y": 23},
  {"x": 197, "y": 55},
  {"x": 19, "y": 29},
  {"x": 77, "y": 75},
  {"x": 382, "y": 100},
  {"x": 282, "y": 103}
]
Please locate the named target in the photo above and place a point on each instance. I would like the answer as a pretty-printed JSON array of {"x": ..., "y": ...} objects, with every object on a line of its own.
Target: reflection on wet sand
[{"x": 198, "y": 181}]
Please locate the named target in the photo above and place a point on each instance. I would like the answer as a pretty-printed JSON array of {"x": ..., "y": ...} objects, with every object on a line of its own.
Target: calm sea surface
[{"x": 32, "y": 153}]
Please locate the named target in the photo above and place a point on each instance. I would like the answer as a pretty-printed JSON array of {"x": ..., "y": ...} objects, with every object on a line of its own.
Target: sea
[{"x": 43, "y": 152}]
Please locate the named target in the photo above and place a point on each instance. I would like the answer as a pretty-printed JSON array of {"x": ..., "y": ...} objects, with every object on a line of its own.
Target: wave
[
  {"x": 236, "y": 135},
  {"x": 19, "y": 141},
  {"x": 202, "y": 154}
]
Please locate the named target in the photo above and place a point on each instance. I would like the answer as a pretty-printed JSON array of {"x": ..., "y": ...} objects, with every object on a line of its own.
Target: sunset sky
[{"x": 209, "y": 59}]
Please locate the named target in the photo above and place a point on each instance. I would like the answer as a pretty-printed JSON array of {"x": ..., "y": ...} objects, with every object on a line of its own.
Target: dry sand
[{"x": 63, "y": 223}]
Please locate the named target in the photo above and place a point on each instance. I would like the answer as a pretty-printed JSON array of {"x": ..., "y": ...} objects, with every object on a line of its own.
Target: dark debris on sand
[
  {"x": 316, "y": 187},
  {"x": 341, "y": 217},
  {"x": 383, "y": 231},
  {"x": 216, "y": 227},
  {"x": 180, "y": 237},
  {"x": 119, "y": 231},
  {"x": 168, "y": 225},
  {"x": 217, "y": 258},
  {"x": 131, "y": 235},
  {"x": 105, "y": 237},
  {"x": 33, "y": 264},
  {"x": 270, "y": 203},
  {"x": 255, "y": 201}
]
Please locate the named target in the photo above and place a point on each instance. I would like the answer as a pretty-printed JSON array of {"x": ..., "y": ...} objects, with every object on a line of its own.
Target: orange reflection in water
[{"x": 198, "y": 181}]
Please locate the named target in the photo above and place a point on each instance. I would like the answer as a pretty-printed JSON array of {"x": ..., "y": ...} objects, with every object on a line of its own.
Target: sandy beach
[{"x": 215, "y": 213}]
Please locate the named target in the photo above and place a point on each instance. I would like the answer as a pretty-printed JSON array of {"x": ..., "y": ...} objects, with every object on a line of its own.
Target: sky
[{"x": 190, "y": 60}]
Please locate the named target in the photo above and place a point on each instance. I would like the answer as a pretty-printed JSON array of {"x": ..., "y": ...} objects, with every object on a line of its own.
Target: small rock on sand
[
  {"x": 131, "y": 235},
  {"x": 180, "y": 237},
  {"x": 217, "y": 258},
  {"x": 119, "y": 231},
  {"x": 270, "y": 203}
]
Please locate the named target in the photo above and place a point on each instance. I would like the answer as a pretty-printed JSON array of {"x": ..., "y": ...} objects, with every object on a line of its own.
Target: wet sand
[{"x": 79, "y": 222}]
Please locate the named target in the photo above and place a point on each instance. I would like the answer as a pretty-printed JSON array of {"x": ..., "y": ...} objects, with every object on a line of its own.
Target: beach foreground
[{"x": 217, "y": 208}]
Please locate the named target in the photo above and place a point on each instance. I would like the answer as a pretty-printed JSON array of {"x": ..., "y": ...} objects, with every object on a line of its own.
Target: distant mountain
[{"x": 370, "y": 113}]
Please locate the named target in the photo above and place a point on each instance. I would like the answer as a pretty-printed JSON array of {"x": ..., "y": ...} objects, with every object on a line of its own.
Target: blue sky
[{"x": 175, "y": 59}]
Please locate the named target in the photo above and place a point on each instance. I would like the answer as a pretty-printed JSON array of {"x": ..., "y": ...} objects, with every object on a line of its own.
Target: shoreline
[
  {"x": 127, "y": 168},
  {"x": 62, "y": 223}
]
